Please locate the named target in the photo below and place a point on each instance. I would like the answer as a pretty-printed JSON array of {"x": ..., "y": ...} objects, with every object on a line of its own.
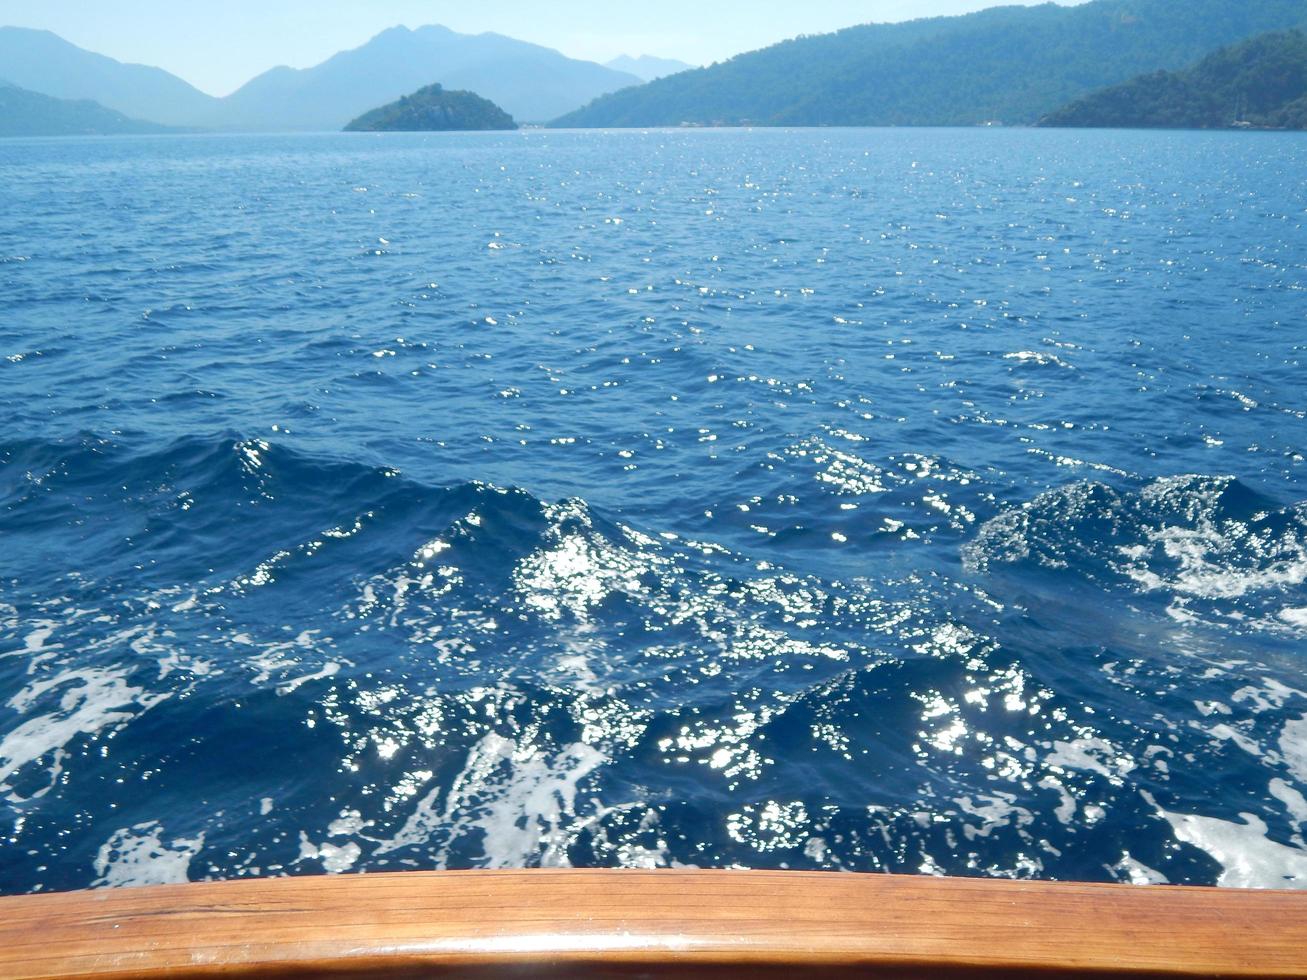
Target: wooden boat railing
[{"x": 652, "y": 924}]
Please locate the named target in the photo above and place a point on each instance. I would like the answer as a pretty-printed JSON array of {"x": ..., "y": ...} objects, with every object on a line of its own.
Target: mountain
[
  {"x": 43, "y": 62},
  {"x": 532, "y": 83},
  {"x": 24, "y": 113},
  {"x": 648, "y": 68},
  {"x": 1013, "y": 64},
  {"x": 1261, "y": 82},
  {"x": 434, "y": 109}
]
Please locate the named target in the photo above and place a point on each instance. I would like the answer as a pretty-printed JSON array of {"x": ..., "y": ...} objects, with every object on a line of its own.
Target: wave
[
  {"x": 298, "y": 663},
  {"x": 1206, "y": 545}
]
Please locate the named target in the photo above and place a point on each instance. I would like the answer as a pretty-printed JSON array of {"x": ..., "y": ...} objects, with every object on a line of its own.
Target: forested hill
[
  {"x": 433, "y": 109},
  {"x": 1262, "y": 82},
  {"x": 1011, "y": 64},
  {"x": 24, "y": 113}
]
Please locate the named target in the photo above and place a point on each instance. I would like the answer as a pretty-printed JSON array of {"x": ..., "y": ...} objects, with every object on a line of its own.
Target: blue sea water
[{"x": 913, "y": 501}]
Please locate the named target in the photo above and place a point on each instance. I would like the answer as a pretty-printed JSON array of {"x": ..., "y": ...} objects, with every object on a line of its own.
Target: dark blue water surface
[{"x": 914, "y": 501}]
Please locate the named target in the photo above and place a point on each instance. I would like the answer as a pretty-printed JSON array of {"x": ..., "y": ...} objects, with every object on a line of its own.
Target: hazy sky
[{"x": 218, "y": 45}]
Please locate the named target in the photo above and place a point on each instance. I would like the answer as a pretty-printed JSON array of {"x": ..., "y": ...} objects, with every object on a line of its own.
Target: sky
[{"x": 218, "y": 45}]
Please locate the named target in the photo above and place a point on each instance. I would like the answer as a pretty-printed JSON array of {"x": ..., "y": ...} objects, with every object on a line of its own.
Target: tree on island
[{"x": 433, "y": 109}]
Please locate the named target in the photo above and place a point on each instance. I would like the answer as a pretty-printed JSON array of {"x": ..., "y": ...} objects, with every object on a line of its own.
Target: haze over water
[{"x": 917, "y": 501}]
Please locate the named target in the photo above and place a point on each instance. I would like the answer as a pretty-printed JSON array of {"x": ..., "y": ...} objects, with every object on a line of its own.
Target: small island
[
  {"x": 1259, "y": 84},
  {"x": 434, "y": 110}
]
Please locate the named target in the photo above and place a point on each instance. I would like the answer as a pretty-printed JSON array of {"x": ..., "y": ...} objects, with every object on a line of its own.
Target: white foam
[
  {"x": 285, "y": 657},
  {"x": 186, "y": 605},
  {"x": 1293, "y": 746},
  {"x": 1271, "y": 697},
  {"x": 1201, "y": 555},
  {"x": 520, "y": 800},
  {"x": 35, "y": 641},
  {"x": 528, "y": 812},
  {"x": 1135, "y": 872},
  {"x": 349, "y": 823},
  {"x": 996, "y": 812},
  {"x": 328, "y": 670},
  {"x": 91, "y": 700},
  {"x": 335, "y": 859},
  {"x": 1037, "y": 357},
  {"x": 1210, "y": 554},
  {"x": 1248, "y": 858},
  {"x": 1294, "y": 802},
  {"x": 150, "y": 641},
  {"x": 1295, "y": 617},
  {"x": 1090, "y": 755},
  {"x": 137, "y": 856},
  {"x": 1173, "y": 537},
  {"x": 34, "y": 648},
  {"x": 1066, "y": 807},
  {"x": 1226, "y": 733}
]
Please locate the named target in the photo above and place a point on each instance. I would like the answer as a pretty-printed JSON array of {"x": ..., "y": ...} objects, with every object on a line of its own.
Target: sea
[{"x": 916, "y": 501}]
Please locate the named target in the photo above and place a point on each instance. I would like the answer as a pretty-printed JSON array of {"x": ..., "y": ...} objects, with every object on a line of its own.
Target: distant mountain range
[
  {"x": 1014, "y": 65},
  {"x": 1010, "y": 64},
  {"x": 43, "y": 62},
  {"x": 533, "y": 83},
  {"x": 648, "y": 68},
  {"x": 1261, "y": 82},
  {"x": 24, "y": 113}
]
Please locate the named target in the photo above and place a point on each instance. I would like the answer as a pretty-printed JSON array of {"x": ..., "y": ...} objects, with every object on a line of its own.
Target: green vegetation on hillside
[
  {"x": 1011, "y": 64},
  {"x": 1262, "y": 82},
  {"x": 433, "y": 109},
  {"x": 24, "y": 113}
]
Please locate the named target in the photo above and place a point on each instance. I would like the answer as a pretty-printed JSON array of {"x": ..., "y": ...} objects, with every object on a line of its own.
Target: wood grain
[{"x": 652, "y": 924}]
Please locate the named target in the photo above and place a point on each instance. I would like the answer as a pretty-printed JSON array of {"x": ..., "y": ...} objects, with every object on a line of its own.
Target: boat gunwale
[{"x": 682, "y": 923}]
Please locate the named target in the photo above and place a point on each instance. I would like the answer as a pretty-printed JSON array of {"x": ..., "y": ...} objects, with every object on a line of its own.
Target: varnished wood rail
[{"x": 652, "y": 924}]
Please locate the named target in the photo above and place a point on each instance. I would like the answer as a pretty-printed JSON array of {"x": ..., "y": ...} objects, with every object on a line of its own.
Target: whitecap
[
  {"x": 336, "y": 859},
  {"x": 1294, "y": 802},
  {"x": 1295, "y": 617},
  {"x": 137, "y": 856},
  {"x": 1135, "y": 872},
  {"x": 1039, "y": 358},
  {"x": 520, "y": 799},
  {"x": 1293, "y": 746},
  {"x": 1090, "y": 755},
  {"x": 1248, "y": 858},
  {"x": 89, "y": 701}
]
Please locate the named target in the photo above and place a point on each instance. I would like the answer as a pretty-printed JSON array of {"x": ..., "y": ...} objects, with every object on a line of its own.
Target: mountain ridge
[
  {"x": 45, "y": 63},
  {"x": 27, "y": 113},
  {"x": 530, "y": 81},
  {"x": 648, "y": 68},
  {"x": 1261, "y": 83},
  {"x": 1012, "y": 64}
]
